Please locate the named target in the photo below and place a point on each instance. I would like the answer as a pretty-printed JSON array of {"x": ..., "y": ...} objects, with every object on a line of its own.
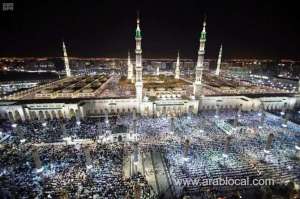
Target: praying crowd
[{"x": 211, "y": 144}]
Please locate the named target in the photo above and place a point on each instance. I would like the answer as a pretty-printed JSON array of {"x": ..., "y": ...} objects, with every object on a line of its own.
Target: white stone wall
[
  {"x": 248, "y": 104},
  {"x": 38, "y": 111},
  {"x": 97, "y": 107},
  {"x": 85, "y": 108},
  {"x": 226, "y": 102},
  {"x": 277, "y": 103},
  {"x": 12, "y": 111}
]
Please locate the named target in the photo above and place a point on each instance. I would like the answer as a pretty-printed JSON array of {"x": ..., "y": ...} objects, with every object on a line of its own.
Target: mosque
[{"x": 148, "y": 95}]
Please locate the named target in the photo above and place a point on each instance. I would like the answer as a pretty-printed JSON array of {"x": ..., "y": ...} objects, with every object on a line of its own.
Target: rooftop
[
  {"x": 164, "y": 81},
  {"x": 78, "y": 87}
]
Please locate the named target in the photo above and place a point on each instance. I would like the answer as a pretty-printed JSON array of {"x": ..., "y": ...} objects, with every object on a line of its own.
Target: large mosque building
[{"x": 152, "y": 95}]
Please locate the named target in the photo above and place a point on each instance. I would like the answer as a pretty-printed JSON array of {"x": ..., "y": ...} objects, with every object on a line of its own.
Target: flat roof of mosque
[
  {"x": 79, "y": 87},
  {"x": 219, "y": 86},
  {"x": 164, "y": 81}
]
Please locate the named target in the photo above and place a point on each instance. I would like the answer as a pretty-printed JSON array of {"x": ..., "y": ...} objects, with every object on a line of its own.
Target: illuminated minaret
[
  {"x": 66, "y": 59},
  {"x": 219, "y": 61},
  {"x": 177, "y": 70},
  {"x": 138, "y": 63},
  {"x": 199, "y": 66},
  {"x": 130, "y": 68}
]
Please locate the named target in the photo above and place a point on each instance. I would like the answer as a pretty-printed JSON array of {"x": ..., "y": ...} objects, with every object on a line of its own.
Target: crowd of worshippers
[
  {"x": 206, "y": 156},
  {"x": 193, "y": 146},
  {"x": 49, "y": 131},
  {"x": 65, "y": 173}
]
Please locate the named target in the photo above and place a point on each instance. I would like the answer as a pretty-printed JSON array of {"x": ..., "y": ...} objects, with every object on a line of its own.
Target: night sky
[{"x": 247, "y": 29}]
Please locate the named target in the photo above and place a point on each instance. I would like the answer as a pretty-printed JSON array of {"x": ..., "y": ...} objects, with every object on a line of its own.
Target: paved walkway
[{"x": 161, "y": 175}]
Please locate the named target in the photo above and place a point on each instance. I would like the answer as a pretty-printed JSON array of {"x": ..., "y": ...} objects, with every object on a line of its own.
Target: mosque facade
[{"x": 149, "y": 95}]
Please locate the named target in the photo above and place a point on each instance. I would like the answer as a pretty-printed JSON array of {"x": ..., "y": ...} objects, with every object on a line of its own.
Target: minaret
[
  {"x": 199, "y": 66},
  {"x": 138, "y": 63},
  {"x": 67, "y": 67},
  {"x": 177, "y": 70},
  {"x": 130, "y": 68},
  {"x": 219, "y": 61}
]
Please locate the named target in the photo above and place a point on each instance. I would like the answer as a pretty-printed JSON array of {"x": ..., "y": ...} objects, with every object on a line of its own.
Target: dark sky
[{"x": 247, "y": 29}]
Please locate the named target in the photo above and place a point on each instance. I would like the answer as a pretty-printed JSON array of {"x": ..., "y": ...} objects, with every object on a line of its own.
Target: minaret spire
[
  {"x": 199, "y": 66},
  {"x": 66, "y": 60},
  {"x": 177, "y": 70},
  {"x": 138, "y": 62},
  {"x": 219, "y": 61},
  {"x": 130, "y": 68},
  {"x": 138, "y": 30}
]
